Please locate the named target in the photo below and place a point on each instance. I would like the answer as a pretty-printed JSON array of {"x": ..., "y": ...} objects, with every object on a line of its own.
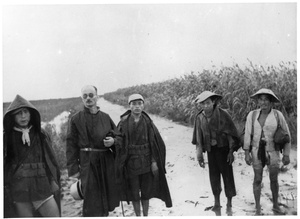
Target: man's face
[
  {"x": 22, "y": 118},
  {"x": 137, "y": 106},
  {"x": 264, "y": 101},
  {"x": 89, "y": 96},
  {"x": 207, "y": 105}
]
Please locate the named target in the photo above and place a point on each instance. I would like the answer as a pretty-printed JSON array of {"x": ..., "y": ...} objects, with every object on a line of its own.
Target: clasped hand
[{"x": 108, "y": 141}]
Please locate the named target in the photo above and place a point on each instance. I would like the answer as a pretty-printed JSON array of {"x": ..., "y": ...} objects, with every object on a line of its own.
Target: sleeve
[
  {"x": 73, "y": 151},
  {"x": 231, "y": 142},
  {"x": 248, "y": 127},
  {"x": 198, "y": 132},
  {"x": 117, "y": 133},
  {"x": 284, "y": 125}
]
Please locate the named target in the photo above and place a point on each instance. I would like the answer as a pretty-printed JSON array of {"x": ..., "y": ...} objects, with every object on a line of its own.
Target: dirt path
[{"x": 189, "y": 184}]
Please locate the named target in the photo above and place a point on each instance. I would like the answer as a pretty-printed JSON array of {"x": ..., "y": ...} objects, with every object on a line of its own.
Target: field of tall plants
[
  {"x": 49, "y": 109},
  {"x": 174, "y": 99}
]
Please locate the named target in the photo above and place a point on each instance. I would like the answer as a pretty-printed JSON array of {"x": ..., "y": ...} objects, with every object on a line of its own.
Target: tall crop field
[
  {"x": 49, "y": 109},
  {"x": 174, "y": 99}
]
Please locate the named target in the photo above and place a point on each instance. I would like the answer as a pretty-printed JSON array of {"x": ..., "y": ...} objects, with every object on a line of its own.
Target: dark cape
[
  {"x": 222, "y": 124},
  {"x": 157, "y": 146},
  {"x": 50, "y": 160}
]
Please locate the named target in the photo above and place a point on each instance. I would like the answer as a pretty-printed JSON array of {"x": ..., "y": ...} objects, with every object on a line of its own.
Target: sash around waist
[
  {"x": 139, "y": 149},
  {"x": 30, "y": 170}
]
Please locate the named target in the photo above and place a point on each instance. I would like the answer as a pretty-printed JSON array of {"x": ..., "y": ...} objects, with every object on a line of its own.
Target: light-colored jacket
[{"x": 269, "y": 130}]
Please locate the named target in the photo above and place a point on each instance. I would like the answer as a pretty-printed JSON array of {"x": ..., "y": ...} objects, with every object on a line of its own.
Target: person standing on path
[
  {"x": 141, "y": 159},
  {"x": 31, "y": 172},
  {"x": 216, "y": 134},
  {"x": 91, "y": 140},
  {"x": 263, "y": 150}
]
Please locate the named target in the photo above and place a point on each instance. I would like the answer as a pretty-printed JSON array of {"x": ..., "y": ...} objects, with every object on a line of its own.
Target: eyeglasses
[{"x": 91, "y": 95}]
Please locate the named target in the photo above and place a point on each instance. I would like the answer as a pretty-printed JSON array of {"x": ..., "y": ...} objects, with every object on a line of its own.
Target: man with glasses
[
  {"x": 91, "y": 140},
  {"x": 141, "y": 159}
]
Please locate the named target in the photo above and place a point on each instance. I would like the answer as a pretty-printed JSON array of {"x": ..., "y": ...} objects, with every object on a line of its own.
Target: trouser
[
  {"x": 218, "y": 165},
  {"x": 141, "y": 183}
]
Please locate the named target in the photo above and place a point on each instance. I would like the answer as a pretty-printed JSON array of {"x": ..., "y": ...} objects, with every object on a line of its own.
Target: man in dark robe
[
  {"x": 91, "y": 140},
  {"x": 141, "y": 158}
]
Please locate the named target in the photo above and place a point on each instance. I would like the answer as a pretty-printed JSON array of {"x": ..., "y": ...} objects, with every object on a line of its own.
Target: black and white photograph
[{"x": 149, "y": 108}]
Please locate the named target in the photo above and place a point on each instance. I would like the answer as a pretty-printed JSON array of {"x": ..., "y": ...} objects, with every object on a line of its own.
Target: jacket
[{"x": 222, "y": 124}]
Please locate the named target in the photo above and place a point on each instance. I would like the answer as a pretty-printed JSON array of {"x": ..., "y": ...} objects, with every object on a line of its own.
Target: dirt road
[{"x": 189, "y": 184}]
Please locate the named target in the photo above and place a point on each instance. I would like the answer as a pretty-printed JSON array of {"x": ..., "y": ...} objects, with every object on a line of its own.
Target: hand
[
  {"x": 54, "y": 186},
  {"x": 285, "y": 159},
  {"x": 248, "y": 158},
  {"x": 108, "y": 141},
  {"x": 200, "y": 159},
  {"x": 230, "y": 158},
  {"x": 154, "y": 168}
]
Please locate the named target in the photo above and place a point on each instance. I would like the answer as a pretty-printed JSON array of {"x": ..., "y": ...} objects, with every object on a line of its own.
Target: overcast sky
[{"x": 51, "y": 51}]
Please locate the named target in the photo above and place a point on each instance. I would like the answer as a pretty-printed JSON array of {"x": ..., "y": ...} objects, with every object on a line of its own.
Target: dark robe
[{"x": 96, "y": 169}]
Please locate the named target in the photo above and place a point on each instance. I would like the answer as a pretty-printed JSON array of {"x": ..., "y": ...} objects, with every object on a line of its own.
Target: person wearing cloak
[
  {"x": 91, "y": 140},
  {"x": 216, "y": 134},
  {"x": 141, "y": 158},
  {"x": 31, "y": 172}
]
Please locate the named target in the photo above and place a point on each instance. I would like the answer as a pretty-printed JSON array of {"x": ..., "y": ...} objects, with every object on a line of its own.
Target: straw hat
[
  {"x": 76, "y": 190},
  {"x": 135, "y": 97},
  {"x": 206, "y": 94},
  {"x": 268, "y": 92}
]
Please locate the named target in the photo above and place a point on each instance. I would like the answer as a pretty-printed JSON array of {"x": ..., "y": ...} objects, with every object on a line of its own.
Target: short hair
[
  {"x": 95, "y": 89},
  {"x": 90, "y": 86}
]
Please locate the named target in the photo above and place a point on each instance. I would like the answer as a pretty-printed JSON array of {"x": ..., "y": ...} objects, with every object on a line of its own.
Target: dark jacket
[
  {"x": 158, "y": 149},
  {"x": 222, "y": 124},
  {"x": 48, "y": 153}
]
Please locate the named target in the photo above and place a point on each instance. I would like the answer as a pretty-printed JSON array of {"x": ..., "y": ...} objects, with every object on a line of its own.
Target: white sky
[{"x": 51, "y": 51}]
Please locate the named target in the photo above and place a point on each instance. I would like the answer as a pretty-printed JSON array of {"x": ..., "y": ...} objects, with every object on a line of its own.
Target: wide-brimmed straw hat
[
  {"x": 135, "y": 97},
  {"x": 76, "y": 190},
  {"x": 274, "y": 98},
  {"x": 207, "y": 94}
]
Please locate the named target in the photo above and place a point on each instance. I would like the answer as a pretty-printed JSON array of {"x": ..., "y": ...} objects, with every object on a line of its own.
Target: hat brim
[
  {"x": 213, "y": 97},
  {"x": 135, "y": 100},
  {"x": 273, "y": 98}
]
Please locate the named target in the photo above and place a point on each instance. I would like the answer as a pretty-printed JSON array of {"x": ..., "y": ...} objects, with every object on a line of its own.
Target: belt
[
  {"x": 94, "y": 149},
  {"x": 139, "y": 149},
  {"x": 30, "y": 166}
]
